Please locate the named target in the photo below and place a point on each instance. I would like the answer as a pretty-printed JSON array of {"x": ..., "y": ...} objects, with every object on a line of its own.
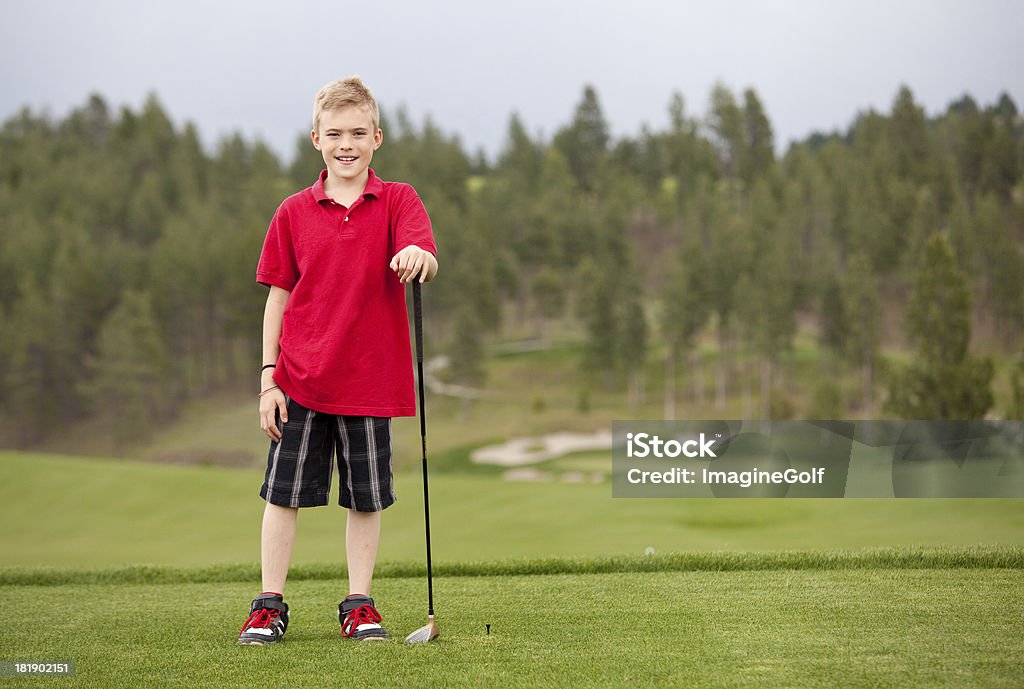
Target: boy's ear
[
  {"x": 378, "y": 138},
  {"x": 316, "y": 139}
]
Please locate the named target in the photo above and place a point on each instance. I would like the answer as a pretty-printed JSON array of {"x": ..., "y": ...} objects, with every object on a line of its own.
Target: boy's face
[{"x": 347, "y": 140}]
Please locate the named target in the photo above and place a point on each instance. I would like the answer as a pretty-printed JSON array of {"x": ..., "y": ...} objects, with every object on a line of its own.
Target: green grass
[
  {"x": 997, "y": 557},
  {"x": 141, "y": 573},
  {"x": 957, "y": 625},
  {"x": 80, "y": 512}
]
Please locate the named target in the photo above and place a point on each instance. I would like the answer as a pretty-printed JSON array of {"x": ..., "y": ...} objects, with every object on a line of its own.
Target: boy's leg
[
  {"x": 277, "y": 540},
  {"x": 298, "y": 475},
  {"x": 268, "y": 614},
  {"x": 362, "y": 536},
  {"x": 366, "y": 488}
]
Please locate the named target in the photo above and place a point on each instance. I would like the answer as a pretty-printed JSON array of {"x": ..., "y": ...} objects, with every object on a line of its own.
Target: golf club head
[{"x": 424, "y": 634}]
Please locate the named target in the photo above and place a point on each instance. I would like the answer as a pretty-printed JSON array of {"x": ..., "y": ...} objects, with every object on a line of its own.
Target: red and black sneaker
[
  {"x": 268, "y": 620},
  {"x": 360, "y": 619}
]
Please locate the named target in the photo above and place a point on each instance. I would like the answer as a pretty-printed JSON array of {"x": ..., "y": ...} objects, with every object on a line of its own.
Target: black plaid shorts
[{"x": 300, "y": 465}]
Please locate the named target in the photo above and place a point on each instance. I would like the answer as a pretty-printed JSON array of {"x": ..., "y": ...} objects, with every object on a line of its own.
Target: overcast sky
[{"x": 254, "y": 66}]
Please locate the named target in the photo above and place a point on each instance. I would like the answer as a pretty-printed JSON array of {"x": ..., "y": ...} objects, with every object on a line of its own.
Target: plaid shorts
[{"x": 300, "y": 465}]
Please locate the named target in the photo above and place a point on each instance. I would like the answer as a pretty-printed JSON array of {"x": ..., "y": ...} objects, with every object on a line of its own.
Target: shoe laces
[
  {"x": 262, "y": 618},
  {"x": 364, "y": 614}
]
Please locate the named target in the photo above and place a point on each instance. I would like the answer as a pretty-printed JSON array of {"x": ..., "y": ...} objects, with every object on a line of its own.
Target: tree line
[{"x": 127, "y": 256}]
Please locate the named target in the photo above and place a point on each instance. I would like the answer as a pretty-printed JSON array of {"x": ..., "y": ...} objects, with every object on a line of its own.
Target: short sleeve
[
  {"x": 277, "y": 265},
  {"x": 411, "y": 223}
]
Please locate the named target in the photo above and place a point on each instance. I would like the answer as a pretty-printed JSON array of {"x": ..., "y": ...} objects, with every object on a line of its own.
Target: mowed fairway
[
  {"x": 960, "y": 624},
  {"x": 80, "y": 512}
]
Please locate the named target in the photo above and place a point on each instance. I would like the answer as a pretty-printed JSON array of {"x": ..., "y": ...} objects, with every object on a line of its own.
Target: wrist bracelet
[
  {"x": 266, "y": 366},
  {"x": 274, "y": 387}
]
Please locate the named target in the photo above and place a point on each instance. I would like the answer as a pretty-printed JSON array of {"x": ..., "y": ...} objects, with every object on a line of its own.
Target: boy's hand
[
  {"x": 412, "y": 261},
  {"x": 271, "y": 402}
]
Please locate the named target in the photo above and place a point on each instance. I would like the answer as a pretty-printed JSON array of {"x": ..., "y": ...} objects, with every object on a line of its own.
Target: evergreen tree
[
  {"x": 1001, "y": 268},
  {"x": 634, "y": 342},
  {"x": 80, "y": 298},
  {"x": 835, "y": 326},
  {"x": 466, "y": 350},
  {"x": 908, "y": 138},
  {"x": 522, "y": 158},
  {"x": 548, "y": 295},
  {"x": 726, "y": 122},
  {"x": 862, "y": 303},
  {"x": 129, "y": 372},
  {"x": 28, "y": 374},
  {"x": 584, "y": 142},
  {"x": 601, "y": 353},
  {"x": 1016, "y": 410},
  {"x": 759, "y": 143},
  {"x": 686, "y": 309},
  {"x": 944, "y": 381}
]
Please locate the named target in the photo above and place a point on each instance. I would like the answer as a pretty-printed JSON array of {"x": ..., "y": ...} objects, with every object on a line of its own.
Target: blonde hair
[{"x": 345, "y": 93}]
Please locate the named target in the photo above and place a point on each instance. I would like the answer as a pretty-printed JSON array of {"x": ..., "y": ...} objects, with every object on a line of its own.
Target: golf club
[{"x": 430, "y": 631}]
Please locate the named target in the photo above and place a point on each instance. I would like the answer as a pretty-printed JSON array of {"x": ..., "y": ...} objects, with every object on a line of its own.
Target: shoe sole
[{"x": 256, "y": 642}]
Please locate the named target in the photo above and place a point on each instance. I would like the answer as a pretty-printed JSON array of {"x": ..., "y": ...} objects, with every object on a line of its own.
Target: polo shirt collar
[{"x": 374, "y": 187}]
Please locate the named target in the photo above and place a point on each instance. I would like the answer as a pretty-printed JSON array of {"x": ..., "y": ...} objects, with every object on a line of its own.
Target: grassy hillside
[{"x": 531, "y": 389}]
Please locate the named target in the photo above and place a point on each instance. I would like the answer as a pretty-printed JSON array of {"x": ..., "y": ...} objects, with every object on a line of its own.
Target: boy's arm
[
  {"x": 414, "y": 234},
  {"x": 273, "y": 400}
]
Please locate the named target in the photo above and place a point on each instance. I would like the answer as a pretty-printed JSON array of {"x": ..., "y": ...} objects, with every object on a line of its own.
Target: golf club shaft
[{"x": 418, "y": 318}]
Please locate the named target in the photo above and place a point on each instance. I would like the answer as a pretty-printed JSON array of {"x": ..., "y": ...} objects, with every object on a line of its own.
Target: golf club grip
[{"x": 417, "y": 308}]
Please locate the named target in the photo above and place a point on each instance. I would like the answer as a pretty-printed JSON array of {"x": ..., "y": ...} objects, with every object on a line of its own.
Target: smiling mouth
[{"x": 346, "y": 159}]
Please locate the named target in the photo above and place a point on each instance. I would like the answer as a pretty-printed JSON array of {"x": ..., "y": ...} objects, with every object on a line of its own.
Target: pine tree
[
  {"x": 1016, "y": 410},
  {"x": 601, "y": 351},
  {"x": 466, "y": 355},
  {"x": 944, "y": 381},
  {"x": 80, "y": 296},
  {"x": 726, "y": 122},
  {"x": 129, "y": 372},
  {"x": 908, "y": 138},
  {"x": 548, "y": 295},
  {"x": 835, "y": 326},
  {"x": 28, "y": 375},
  {"x": 584, "y": 142},
  {"x": 759, "y": 142},
  {"x": 634, "y": 343},
  {"x": 862, "y": 304},
  {"x": 685, "y": 309}
]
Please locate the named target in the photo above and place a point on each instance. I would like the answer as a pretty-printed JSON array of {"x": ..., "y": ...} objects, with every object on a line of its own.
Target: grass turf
[
  {"x": 91, "y": 513},
  {"x": 954, "y": 625}
]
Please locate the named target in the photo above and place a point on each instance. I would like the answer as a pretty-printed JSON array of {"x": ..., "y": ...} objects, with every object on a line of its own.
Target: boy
[{"x": 336, "y": 353}]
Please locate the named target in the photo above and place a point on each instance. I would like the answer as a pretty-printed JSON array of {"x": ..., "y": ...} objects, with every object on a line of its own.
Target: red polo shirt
[{"x": 345, "y": 334}]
